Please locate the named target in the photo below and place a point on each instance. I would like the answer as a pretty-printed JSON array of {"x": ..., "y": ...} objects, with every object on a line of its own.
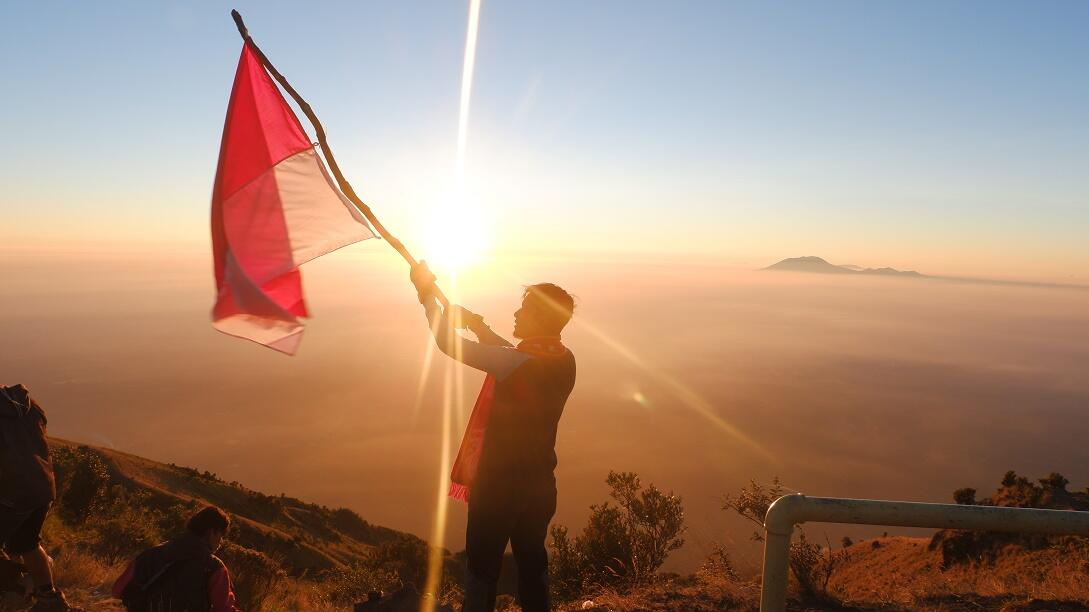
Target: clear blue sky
[{"x": 944, "y": 136}]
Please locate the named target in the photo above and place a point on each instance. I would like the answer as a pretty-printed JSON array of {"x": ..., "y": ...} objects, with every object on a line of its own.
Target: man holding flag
[
  {"x": 505, "y": 466},
  {"x": 276, "y": 206}
]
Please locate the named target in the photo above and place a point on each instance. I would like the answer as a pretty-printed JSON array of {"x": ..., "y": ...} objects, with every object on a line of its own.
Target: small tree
[
  {"x": 1055, "y": 481},
  {"x": 809, "y": 566},
  {"x": 405, "y": 557},
  {"x": 965, "y": 496},
  {"x": 82, "y": 481},
  {"x": 622, "y": 544},
  {"x": 717, "y": 570},
  {"x": 652, "y": 519},
  {"x": 1009, "y": 479},
  {"x": 753, "y": 501}
]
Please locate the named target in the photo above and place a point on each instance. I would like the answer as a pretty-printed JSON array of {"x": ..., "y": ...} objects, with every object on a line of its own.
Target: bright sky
[{"x": 944, "y": 137}]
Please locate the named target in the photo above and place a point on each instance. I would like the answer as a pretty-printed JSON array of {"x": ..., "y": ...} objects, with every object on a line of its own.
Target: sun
[{"x": 456, "y": 234}]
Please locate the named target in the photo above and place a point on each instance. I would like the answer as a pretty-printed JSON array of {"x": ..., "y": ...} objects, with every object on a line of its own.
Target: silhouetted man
[
  {"x": 505, "y": 467},
  {"x": 183, "y": 574},
  {"x": 27, "y": 489}
]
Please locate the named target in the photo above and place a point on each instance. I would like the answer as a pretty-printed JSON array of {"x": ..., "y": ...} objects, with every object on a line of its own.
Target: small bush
[
  {"x": 718, "y": 565},
  {"x": 406, "y": 557},
  {"x": 621, "y": 545},
  {"x": 351, "y": 585},
  {"x": 1016, "y": 491},
  {"x": 82, "y": 477},
  {"x": 1056, "y": 481},
  {"x": 812, "y": 567},
  {"x": 256, "y": 577},
  {"x": 965, "y": 496}
]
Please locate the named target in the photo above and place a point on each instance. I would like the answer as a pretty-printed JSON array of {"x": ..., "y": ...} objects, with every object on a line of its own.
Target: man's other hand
[
  {"x": 463, "y": 318},
  {"x": 424, "y": 280}
]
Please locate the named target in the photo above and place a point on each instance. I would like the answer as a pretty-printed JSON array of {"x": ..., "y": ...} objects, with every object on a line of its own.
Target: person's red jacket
[{"x": 220, "y": 592}]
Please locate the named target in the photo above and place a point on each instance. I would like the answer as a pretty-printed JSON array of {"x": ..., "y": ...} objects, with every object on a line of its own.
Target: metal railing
[{"x": 790, "y": 510}]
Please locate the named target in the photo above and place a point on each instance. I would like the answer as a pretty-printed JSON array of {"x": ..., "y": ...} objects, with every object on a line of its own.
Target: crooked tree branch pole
[{"x": 345, "y": 186}]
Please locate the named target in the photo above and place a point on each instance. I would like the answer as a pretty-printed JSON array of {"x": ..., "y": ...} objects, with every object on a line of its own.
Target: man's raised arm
[
  {"x": 473, "y": 322},
  {"x": 492, "y": 354}
]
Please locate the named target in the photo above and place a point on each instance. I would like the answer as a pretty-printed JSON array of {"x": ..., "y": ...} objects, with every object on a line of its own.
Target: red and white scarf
[{"x": 472, "y": 443}]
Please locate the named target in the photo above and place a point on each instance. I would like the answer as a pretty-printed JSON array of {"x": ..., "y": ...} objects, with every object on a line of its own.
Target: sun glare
[{"x": 456, "y": 235}]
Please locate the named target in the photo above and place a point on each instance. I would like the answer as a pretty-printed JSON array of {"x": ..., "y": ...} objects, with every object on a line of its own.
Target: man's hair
[
  {"x": 207, "y": 519},
  {"x": 557, "y": 304}
]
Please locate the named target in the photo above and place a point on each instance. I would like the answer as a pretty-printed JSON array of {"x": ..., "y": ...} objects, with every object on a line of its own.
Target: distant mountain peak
[
  {"x": 809, "y": 263},
  {"x": 807, "y": 259},
  {"x": 819, "y": 265}
]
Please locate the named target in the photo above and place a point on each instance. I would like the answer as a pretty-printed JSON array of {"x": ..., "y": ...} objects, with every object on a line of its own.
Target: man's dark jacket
[{"x": 520, "y": 443}]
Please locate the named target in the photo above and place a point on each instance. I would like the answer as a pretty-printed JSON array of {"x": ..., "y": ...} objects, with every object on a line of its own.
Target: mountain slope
[
  {"x": 302, "y": 536},
  {"x": 286, "y": 554},
  {"x": 283, "y": 553}
]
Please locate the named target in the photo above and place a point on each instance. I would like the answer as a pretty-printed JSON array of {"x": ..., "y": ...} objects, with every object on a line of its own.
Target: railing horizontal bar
[
  {"x": 789, "y": 510},
  {"x": 938, "y": 516}
]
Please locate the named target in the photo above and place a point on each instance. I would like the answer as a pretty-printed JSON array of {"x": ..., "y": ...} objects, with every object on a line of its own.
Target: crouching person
[
  {"x": 27, "y": 489},
  {"x": 183, "y": 574}
]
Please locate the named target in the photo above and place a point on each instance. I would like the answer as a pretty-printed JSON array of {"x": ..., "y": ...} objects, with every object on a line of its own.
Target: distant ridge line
[{"x": 818, "y": 265}]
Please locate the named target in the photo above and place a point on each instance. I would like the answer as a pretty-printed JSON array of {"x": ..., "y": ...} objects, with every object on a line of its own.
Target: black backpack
[
  {"x": 169, "y": 578},
  {"x": 136, "y": 595},
  {"x": 26, "y": 473}
]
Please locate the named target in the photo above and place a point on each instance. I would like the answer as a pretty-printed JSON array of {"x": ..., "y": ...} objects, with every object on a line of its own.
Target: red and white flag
[{"x": 274, "y": 208}]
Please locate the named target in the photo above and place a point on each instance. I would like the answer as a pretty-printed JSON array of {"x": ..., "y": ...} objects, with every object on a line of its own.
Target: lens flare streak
[
  {"x": 467, "y": 83},
  {"x": 688, "y": 397},
  {"x": 425, "y": 373},
  {"x": 453, "y": 396},
  {"x": 438, "y": 527}
]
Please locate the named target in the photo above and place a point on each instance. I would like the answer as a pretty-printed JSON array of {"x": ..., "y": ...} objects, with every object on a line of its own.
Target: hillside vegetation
[{"x": 286, "y": 554}]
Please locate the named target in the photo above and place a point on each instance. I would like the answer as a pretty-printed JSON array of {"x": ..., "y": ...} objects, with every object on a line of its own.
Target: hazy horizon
[
  {"x": 650, "y": 158},
  {"x": 852, "y": 387}
]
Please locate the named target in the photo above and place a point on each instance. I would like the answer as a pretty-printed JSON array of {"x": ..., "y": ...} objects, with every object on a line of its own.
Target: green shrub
[
  {"x": 622, "y": 544},
  {"x": 256, "y": 578},
  {"x": 406, "y": 557},
  {"x": 811, "y": 567},
  {"x": 349, "y": 586},
  {"x": 82, "y": 477},
  {"x": 965, "y": 496}
]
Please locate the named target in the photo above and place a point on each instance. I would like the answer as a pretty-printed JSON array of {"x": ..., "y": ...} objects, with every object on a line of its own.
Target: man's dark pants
[{"x": 518, "y": 512}]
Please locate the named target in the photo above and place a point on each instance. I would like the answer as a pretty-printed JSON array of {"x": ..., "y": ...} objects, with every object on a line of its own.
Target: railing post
[
  {"x": 778, "y": 528},
  {"x": 773, "y": 595}
]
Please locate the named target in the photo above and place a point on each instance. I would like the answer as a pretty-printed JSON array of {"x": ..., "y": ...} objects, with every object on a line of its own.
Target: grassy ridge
[{"x": 286, "y": 554}]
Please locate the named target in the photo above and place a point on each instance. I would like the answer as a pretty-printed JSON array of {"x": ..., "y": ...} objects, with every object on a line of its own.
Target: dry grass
[
  {"x": 903, "y": 572},
  {"x": 704, "y": 592},
  {"x": 900, "y": 574},
  {"x": 85, "y": 578},
  {"x": 289, "y": 596}
]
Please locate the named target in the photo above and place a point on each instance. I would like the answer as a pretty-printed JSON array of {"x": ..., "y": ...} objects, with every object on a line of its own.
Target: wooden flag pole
[{"x": 345, "y": 186}]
